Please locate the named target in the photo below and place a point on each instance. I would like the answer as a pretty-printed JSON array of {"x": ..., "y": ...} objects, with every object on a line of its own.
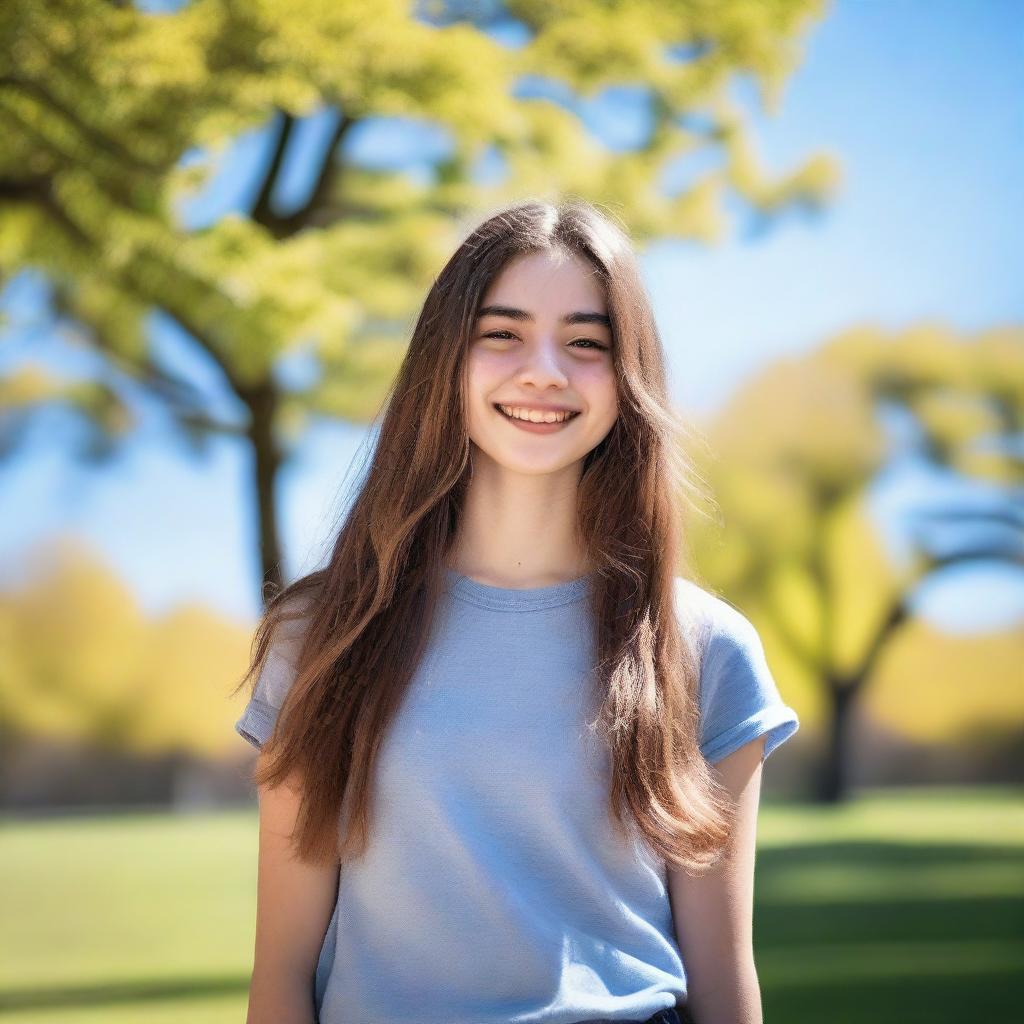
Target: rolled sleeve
[
  {"x": 739, "y": 698},
  {"x": 272, "y": 686},
  {"x": 257, "y": 722}
]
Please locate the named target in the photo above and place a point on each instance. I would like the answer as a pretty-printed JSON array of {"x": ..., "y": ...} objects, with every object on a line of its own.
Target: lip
[{"x": 536, "y": 428}]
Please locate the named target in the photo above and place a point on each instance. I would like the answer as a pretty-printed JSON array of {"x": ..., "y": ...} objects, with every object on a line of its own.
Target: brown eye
[{"x": 591, "y": 342}]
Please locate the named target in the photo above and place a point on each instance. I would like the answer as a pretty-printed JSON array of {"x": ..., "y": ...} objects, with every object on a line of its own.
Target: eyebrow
[{"x": 579, "y": 317}]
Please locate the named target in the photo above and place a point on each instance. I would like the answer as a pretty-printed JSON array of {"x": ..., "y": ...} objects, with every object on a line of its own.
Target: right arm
[{"x": 294, "y": 904}]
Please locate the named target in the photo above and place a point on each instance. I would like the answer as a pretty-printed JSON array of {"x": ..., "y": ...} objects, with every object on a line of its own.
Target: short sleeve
[
  {"x": 739, "y": 699},
  {"x": 272, "y": 685}
]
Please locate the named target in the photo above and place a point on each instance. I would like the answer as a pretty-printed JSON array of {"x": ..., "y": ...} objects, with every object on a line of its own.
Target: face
[{"x": 548, "y": 347}]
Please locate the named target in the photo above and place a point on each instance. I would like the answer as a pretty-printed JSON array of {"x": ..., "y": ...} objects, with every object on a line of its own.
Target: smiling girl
[{"x": 510, "y": 754}]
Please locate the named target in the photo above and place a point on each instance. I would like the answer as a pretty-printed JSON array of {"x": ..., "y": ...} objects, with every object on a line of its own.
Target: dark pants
[{"x": 678, "y": 1015}]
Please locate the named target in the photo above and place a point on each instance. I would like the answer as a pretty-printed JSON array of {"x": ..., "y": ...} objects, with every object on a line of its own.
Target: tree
[
  {"x": 85, "y": 668},
  {"x": 791, "y": 461},
  {"x": 110, "y": 116}
]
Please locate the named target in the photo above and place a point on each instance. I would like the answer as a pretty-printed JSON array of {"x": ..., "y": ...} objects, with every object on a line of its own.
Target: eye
[{"x": 586, "y": 342}]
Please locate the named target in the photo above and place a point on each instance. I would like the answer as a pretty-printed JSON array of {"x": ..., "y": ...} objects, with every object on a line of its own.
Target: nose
[{"x": 541, "y": 366}]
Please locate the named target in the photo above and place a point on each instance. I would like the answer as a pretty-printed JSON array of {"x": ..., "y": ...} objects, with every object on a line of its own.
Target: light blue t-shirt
[{"x": 495, "y": 888}]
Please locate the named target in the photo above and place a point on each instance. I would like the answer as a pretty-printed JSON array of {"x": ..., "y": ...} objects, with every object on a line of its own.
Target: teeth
[{"x": 535, "y": 415}]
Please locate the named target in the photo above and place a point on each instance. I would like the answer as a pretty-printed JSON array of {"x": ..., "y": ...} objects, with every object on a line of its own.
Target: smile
[
  {"x": 535, "y": 415},
  {"x": 545, "y": 423}
]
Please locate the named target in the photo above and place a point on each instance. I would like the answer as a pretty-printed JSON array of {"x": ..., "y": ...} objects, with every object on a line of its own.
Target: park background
[{"x": 216, "y": 225}]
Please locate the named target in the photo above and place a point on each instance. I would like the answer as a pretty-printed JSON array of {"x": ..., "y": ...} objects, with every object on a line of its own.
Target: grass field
[{"x": 902, "y": 906}]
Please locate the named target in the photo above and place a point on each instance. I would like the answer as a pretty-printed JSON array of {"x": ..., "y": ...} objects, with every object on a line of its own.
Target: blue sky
[{"x": 923, "y": 102}]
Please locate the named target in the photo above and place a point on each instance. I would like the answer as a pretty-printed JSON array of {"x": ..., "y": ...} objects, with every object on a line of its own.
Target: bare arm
[
  {"x": 713, "y": 914},
  {"x": 294, "y": 903}
]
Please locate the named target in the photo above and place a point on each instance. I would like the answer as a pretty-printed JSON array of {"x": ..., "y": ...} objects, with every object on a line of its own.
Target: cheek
[
  {"x": 596, "y": 383},
  {"x": 485, "y": 368},
  {"x": 483, "y": 377}
]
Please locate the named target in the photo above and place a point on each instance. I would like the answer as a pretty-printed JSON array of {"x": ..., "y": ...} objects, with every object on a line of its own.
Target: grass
[
  {"x": 905, "y": 905},
  {"x": 899, "y": 906}
]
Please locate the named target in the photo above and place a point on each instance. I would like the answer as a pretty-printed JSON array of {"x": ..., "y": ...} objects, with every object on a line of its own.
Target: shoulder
[
  {"x": 723, "y": 628},
  {"x": 738, "y": 697},
  {"x": 284, "y": 649}
]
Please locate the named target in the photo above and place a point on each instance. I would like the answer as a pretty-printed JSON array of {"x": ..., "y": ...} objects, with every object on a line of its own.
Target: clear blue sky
[{"x": 924, "y": 104}]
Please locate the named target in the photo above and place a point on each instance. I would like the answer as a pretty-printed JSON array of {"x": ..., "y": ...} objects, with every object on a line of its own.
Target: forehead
[{"x": 548, "y": 283}]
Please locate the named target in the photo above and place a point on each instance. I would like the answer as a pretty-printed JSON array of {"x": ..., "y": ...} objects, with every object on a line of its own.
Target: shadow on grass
[
  {"x": 908, "y": 933},
  {"x": 112, "y": 993}
]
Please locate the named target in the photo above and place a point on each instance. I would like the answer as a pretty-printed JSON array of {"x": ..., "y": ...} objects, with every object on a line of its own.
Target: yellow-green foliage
[
  {"x": 101, "y": 104},
  {"x": 790, "y": 461},
  {"x": 934, "y": 686},
  {"x": 80, "y": 661}
]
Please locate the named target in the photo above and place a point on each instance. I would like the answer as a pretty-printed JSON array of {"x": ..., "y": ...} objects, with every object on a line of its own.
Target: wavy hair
[{"x": 361, "y": 622}]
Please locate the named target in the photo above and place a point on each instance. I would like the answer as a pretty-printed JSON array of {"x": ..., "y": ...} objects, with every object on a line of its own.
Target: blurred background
[{"x": 217, "y": 223}]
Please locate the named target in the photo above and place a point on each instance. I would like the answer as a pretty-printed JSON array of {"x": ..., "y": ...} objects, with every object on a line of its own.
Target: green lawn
[{"x": 903, "y": 907}]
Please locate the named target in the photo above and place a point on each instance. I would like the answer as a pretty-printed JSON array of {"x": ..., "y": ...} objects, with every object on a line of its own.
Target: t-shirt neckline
[{"x": 515, "y": 598}]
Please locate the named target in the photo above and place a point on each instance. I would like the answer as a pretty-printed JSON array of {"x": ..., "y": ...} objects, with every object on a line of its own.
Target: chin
[{"x": 534, "y": 466}]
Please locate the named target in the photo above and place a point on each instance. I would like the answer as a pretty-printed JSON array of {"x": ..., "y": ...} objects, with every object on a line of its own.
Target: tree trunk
[
  {"x": 833, "y": 782},
  {"x": 262, "y": 404}
]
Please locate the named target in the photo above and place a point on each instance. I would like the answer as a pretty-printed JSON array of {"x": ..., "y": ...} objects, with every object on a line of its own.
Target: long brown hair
[{"x": 362, "y": 622}]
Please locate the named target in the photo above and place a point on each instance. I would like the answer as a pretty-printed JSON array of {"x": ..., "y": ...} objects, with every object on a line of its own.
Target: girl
[{"x": 509, "y": 761}]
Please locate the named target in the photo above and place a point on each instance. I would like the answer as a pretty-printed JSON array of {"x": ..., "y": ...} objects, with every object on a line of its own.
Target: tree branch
[
  {"x": 326, "y": 181},
  {"x": 87, "y": 132},
  {"x": 39, "y": 190},
  {"x": 261, "y": 210}
]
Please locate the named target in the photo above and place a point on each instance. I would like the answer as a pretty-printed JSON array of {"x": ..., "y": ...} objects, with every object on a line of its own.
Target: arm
[
  {"x": 294, "y": 904},
  {"x": 713, "y": 914}
]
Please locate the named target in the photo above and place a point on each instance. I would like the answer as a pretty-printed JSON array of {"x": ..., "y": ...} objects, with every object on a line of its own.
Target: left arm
[{"x": 713, "y": 914}]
